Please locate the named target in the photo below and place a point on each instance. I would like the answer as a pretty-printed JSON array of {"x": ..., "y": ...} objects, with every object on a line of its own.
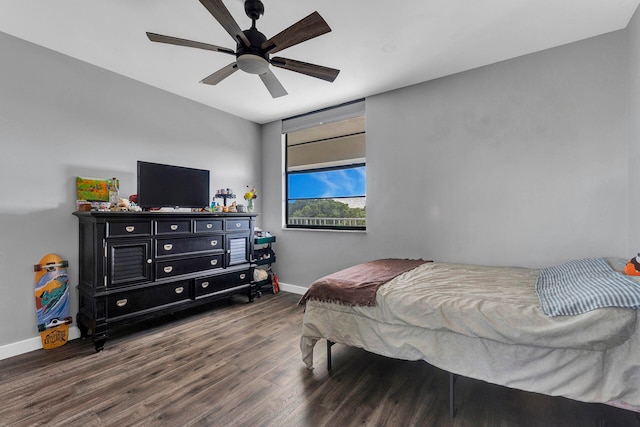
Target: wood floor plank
[{"x": 239, "y": 364}]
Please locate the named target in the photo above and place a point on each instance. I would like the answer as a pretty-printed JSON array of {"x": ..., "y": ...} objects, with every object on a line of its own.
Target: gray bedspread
[{"x": 497, "y": 303}]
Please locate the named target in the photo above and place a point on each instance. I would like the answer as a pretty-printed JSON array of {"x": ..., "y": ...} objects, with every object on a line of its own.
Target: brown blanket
[{"x": 358, "y": 285}]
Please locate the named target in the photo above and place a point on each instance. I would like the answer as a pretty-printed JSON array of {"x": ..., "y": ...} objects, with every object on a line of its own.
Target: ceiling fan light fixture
[{"x": 252, "y": 64}]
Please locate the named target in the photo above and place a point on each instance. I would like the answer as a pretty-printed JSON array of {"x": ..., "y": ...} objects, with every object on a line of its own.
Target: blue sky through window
[{"x": 348, "y": 182}]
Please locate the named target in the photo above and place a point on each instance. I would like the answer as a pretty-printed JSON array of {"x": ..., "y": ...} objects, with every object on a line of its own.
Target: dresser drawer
[
  {"x": 210, "y": 285},
  {"x": 188, "y": 245},
  {"x": 155, "y": 297},
  {"x": 171, "y": 268},
  {"x": 236, "y": 224},
  {"x": 128, "y": 228},
  {"x": 208, "y": 225},
  {"x": 173, "y": 226}
]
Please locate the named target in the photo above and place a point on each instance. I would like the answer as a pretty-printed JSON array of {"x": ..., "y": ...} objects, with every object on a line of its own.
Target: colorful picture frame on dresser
[{"x": 92, "y": 189}]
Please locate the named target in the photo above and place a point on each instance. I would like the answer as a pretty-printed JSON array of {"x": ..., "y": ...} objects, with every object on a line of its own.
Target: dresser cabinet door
[
  {"x": 238, "y": 247},
  {"x": 128, "y": 262}
]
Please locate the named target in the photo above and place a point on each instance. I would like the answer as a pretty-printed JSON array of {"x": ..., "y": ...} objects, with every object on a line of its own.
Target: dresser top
[{"x": 159, "y": 214}]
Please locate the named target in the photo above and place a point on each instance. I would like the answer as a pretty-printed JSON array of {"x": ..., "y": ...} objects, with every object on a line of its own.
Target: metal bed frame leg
[
  {"x": 452, "y": 381},
  {"x": 329, "y": 344}
]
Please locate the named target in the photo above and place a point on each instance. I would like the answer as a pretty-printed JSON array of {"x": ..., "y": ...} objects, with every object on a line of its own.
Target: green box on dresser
[{"x": 136, "y": 265}]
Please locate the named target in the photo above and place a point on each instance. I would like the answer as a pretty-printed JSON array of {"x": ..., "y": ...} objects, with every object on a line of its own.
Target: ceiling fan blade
[
  {"x": 223, "y": 16},
  {"x": 273, "y": 84},
  {"x": 188, "y": 43},
  {"x": 317, "y": 71},
  {"x": 307, "y": 28},
  {"x": 220, "y": 75}
]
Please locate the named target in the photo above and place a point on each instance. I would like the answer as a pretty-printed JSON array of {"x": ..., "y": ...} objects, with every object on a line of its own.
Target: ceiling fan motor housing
[{"x": 252, "y": 59}]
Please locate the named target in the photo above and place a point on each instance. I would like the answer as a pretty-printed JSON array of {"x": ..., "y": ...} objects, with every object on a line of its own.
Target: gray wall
[
  {"x": 60, "y": 118},
  {"x": 523, "y": 162},
  {"x": 633, "y": 99}
]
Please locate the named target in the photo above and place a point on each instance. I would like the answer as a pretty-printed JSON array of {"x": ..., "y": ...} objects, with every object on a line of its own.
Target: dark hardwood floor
[{"x": 239, "y": 365}]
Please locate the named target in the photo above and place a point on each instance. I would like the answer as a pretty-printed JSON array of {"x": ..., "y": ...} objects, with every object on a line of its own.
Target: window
[{"x": 326, "y": 169}]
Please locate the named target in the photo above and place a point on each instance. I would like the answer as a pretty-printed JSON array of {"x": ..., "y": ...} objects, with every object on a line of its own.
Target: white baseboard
[
  {"x": 294, "y": 289},
  {"x": 31, "y": 344}
]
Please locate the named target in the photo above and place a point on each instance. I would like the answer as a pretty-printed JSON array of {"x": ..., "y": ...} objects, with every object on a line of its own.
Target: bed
[{"x": 490, "y": 323}]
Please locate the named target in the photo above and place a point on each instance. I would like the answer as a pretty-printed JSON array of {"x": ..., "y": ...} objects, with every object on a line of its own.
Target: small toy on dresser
[
  {"x": 125, "y": 205},
  {"x": 632, "y": 268}
]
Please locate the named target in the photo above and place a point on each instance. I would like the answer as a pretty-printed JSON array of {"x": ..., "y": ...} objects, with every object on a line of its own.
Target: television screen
[{"x": 172, "y": 186}]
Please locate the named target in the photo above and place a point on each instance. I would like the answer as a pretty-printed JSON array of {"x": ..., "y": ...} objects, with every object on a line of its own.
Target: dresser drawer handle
[
  {"x": 242, "y": 276},
  {"x": 179, "y": 290},
  {"x": 168, "y": 269},
  {"x": 174, "y": 227},
  {"x": 238, "y": 224},
  {"x": 204, "y": 285},
  {"x": 168, "y": 247},
  {"x": 129, "y": 228},
  {"x": 214, "y": 262},
  {"x": 214, "y": 243},
  {"x": 209, "y": 225},
  {"x": 121, "y": 302}
]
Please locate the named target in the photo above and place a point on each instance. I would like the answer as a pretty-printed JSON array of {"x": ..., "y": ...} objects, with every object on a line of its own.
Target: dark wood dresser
[{"x": 137, "y": 265}]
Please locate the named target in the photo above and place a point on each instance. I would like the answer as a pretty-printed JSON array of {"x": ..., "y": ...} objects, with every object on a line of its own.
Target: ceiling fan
[{"x": 253, "y": 49}]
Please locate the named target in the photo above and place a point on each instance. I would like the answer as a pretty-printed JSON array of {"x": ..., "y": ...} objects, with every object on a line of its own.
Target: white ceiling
[{"x": 378, "y": 45}]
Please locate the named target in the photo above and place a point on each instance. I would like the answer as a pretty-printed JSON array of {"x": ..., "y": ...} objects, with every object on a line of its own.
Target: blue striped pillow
[{"x": 580, "y": 286}]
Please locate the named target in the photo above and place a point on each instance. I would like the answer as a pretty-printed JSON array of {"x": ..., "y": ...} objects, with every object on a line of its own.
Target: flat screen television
[{"x": 161, "y": 186}]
